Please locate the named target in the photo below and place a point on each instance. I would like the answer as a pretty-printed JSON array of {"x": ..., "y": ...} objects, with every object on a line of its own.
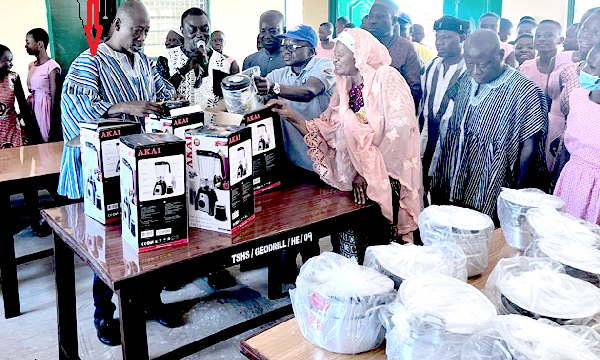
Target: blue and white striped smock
[{"x": 92, "y": 86}]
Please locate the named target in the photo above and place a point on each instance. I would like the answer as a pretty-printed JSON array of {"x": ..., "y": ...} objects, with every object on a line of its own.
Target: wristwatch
[{"x": 276, "y": 89}]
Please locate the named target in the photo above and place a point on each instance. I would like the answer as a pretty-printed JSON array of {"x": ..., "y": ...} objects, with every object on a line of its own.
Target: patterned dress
[
  {"x": 196, "y": 93},
  {"x": 11, "y": 133},
  {"x": 93, "y": 85},
  {"x": 480, "y": 153},
  {"x": 579, "y": 182}
]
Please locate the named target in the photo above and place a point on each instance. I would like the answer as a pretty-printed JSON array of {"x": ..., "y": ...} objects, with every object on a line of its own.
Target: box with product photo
[
  {"x": 177, "y": 122},
  {"x": 219, "y": 171},
  {"x": 153, "y": 191},
  {"x": 267, "y": 147},
  {"x": 101, "y": 166}
]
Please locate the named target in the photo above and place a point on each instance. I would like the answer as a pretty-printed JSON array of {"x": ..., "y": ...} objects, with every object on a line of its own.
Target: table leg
[
  {"x": 64, "y": 266},
  {"x": 275, "y": 277},
  {"x": 134, "y": 341},
  {"x": 8, "y": 265}
]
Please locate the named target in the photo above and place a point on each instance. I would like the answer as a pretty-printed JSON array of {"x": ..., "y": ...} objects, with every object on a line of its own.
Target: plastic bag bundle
[
  {"x": 399, "y": 262},
  {"x": 540, "y": 288},
  {"x": 579, "y": 259},
  {"x": 467, "y": 228},
  {"x": 432, "y": 317},
  {"x": 517, "y": 337},
  {"x": 513, "y": 206},
  {"x": 334, "y": 303},
  {"x": 547, "y": 222}
]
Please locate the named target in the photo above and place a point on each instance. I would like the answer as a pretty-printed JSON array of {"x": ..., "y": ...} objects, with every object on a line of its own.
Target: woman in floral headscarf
[{"x": 367, "y": 141}]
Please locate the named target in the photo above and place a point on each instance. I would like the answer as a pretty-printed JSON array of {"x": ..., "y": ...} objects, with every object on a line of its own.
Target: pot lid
[
  {"x": 552, "y": 294},
  {"x": 407, "y": 261},
  {"x": 236, "y": 82},
  {"x": 572, "y": 253},
  {"x": 455, "y": 217},
  {"x": 465, "y": 308},
  {"x": 531, "y": 198},
  {"x": 547, "y": 222}
]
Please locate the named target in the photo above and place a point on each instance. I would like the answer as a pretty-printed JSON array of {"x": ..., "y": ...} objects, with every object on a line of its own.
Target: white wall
[
  {"x": 539, "y": 9},
  {"x": 18, "y": 17}
]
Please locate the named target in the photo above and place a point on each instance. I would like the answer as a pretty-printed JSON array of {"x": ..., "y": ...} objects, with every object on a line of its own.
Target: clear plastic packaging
[
  {"x": 432, "y": 317},
  {"x": 469, "y": 229},
  {"x": 399, "y": 262},
  {"x": 579, "y": 259},
  {"x": 335, "y": 303},
  {"x": 547, "y": 222},
  {"x": 517, "y": 337},
  {"x": 239, "y": 94},
  {"x": 540, "y": 288},
  {"x": 512, "y": 209}
]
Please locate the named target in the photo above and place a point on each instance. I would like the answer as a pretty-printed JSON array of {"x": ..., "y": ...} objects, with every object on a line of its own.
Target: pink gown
[
  {"x": 321, "y": 52},
  {"x": 530, "y": 70},
  {"x": 556, "y": 118},
  {"x": 38, "y": 82},
  {"x": 579, "y": 182}
]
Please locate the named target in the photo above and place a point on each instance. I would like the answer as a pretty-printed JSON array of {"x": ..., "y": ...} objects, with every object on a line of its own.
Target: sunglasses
[{"x": 292, "y": 48}]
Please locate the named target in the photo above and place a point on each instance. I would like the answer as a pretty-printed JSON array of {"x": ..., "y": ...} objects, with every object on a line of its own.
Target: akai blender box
[
  {"x": 179, "y": 118},
  {"x": 153, "y": 191},
  {"x": 101, "y": 166},
  {"x": 219, "y": 174},
  {"x": 267, "y": 149}
]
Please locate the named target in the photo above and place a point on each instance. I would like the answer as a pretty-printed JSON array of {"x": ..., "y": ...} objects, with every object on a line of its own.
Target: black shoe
[
  {"x": 109, "y": 331},
  {"x": 166, "y": 316},
  {"x": 221, "y": 280}
]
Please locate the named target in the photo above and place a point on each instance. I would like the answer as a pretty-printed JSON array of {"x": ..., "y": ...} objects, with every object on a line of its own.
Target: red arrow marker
[{"x": 95, "y": 4}]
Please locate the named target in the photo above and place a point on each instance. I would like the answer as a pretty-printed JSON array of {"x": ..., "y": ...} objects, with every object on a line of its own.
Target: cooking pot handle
[{"x": 385, "y": 316}]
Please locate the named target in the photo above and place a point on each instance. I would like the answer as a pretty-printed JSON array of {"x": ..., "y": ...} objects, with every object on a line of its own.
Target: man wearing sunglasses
[{"x": 306, "y": 82}]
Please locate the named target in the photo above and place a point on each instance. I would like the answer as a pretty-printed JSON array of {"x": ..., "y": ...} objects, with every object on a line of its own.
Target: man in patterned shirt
[{"x": 496, "y": 133}]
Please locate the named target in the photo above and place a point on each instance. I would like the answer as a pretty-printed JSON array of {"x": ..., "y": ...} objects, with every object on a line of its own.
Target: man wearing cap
[
  {"x": 405, "y": 23},
  {"x": 439, "y": 75},
  {"x": 306, "y": 82},
  {"x": 270, "y": 56},
  {"x": 382, "y": 17}
]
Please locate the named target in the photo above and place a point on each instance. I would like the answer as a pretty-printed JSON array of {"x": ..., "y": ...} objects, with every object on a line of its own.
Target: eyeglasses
[{"x": 292, "y": 48}]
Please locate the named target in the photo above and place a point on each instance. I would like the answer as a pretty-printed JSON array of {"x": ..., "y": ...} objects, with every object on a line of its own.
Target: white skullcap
[{"x": 346, "y": 39}]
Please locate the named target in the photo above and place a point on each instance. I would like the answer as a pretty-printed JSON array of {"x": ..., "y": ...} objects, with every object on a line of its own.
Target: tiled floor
[{"x": 33, "y": 335}]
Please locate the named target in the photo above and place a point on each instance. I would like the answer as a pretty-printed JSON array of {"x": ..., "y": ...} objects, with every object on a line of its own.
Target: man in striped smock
[
  {"x": 496, "y": 134},
  {"x": 119, "y": 81}
]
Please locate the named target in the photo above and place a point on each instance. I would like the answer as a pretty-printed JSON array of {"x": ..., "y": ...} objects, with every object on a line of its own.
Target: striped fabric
[
  {"x": 480, "y": 153},
  {"x": 92, "y": 86}
]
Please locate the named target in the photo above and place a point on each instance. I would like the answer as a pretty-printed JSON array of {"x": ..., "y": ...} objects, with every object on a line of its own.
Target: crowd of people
[{"x": 372, "y": 110}]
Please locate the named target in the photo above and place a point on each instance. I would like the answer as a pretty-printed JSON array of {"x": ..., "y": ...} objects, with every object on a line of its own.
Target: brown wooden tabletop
[
  {"x": 285, "y": 341},
  {"x": 23, "y": 169},
  {"x": 30, "y": 161},
  {"x": 276, "y": 213}
]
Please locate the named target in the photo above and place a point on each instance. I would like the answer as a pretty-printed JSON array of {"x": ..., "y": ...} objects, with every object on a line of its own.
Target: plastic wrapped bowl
[
  {"x": 513, "y": 206},
  {"x": 469, "y": 229}
]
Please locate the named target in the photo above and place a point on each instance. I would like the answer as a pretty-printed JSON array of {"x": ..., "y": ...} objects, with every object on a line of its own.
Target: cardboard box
[
  {"x": 101, "y": 166},
  {"x": 178, "y": 122},
  {"x": 153, "y": 191},
  {"x": 219, "y": 165},
  {"x": 267, "y": 149}
]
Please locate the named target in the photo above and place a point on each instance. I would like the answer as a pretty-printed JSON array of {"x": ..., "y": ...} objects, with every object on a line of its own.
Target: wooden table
[
  {"x": 293, "y": 217},
  {"x": 22, "y": 169},
  {"x": 285, "y": 341}
]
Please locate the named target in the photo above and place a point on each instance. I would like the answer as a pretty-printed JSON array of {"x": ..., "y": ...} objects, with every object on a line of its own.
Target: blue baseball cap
[
  {"x": 303, "y": 33},
  {"x": 404, "y": 17}
]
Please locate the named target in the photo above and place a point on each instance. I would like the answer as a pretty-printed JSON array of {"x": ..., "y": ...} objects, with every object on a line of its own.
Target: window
[
  {"x": 578, "y": 7},
  {"x": 164, "y": 16}
]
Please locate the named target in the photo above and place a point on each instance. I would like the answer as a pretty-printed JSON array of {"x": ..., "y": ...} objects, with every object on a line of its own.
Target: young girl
[
  {"x": 579, "y": 182},
  {"x": 11, "y": 132}
]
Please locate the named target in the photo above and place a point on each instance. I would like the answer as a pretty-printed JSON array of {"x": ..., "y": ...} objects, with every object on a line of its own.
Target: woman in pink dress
[
  {"x": 43, "y": 82},
  {"x": 546, "y": 41},
  {"x": 367, "y": 141},
  {"x": 579, "y": 182},
  {"x": 11, "y": 132}
]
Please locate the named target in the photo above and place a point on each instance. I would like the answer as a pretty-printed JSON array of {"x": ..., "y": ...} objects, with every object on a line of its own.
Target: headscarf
[
  {"x": 177, "y": 31},
  {"x": 378, "y": 144}
]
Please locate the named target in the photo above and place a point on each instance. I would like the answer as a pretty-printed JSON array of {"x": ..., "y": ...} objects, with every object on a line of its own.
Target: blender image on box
[
  {"x": 263, "y": 137},
  {"x": 243, "y": 163},
  {"x": 94, "y": 181},
  {"x": 211, "y": 172},
  {"x": 128, "y": 206},
  {"x": 162, "y": 187}
]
